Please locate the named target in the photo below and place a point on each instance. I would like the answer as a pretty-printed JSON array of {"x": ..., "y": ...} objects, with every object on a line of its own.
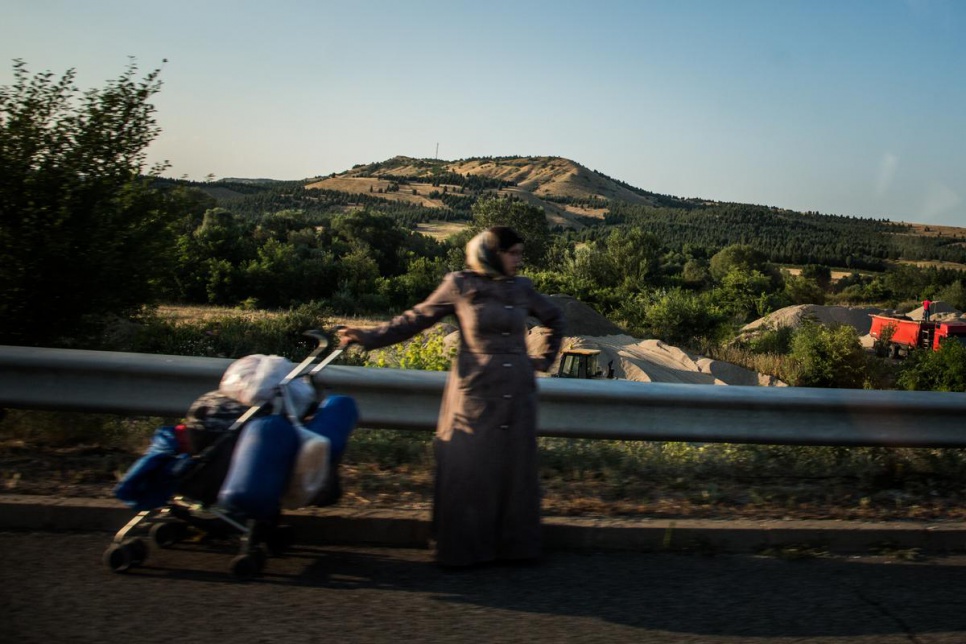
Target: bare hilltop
[{"x": 566, "y": 190}]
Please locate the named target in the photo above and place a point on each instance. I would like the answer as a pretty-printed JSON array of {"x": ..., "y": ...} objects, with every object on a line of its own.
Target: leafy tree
[
  {"x": 942, "y": 370},
  {"x": 83, "y": 233},
  {"x": 695, "y": 272},
  {"x": 744, "y": 293},
  {"x": 632, "y": 258},
  {"x": 826, "y": 356},
  {"x": 954, "y": 295},
  {"x": 358, "y": 274},
  {"x": 802, "y": 290},
  {"x": 821, "y": 275},
  {"x": 529, "y": 221},
  {"x": 741, "y": 257},
  {"x": 210, "y": 257},
  {"x": 381, "y": 236},
  {"x": 421, "y": 278},
  {"x": 683, "y": 317},
  {"x": 274, "y": 276},
  {"x": 222, "y": 235}
]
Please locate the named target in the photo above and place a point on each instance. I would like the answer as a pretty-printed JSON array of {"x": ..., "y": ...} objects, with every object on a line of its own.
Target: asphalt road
[{"x": 54, "y": 588}]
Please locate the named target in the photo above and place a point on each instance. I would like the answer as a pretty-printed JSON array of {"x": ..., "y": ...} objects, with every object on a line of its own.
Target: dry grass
[
  {"x": 836, "y": 275},
  {"x": 935, "y": 230},
  {"x": 193, "y": 313},
  {"x": 372, "y": 185},
  {"x": 441, "y": 230},
  {"x": 184, "y": 313},
  {"x": 935, "y": 264}
]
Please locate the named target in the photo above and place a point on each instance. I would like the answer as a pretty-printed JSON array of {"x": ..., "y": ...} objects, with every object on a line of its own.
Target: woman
[{"x": 487, "y": 501}]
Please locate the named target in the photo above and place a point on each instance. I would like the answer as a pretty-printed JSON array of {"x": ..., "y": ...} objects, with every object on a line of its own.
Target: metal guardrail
[{"x": 156, "y": 385}]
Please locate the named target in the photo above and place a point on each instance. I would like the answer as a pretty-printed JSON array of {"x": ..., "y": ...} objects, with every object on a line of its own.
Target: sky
[{"x": 846, "y": 107}]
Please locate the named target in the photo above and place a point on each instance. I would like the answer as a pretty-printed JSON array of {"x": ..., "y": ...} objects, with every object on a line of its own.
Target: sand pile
[
  {"x": 854, "y": 316},
  {"x": 583, "y": 319},
  {"x": 655, "y": 361},
  {"x": 938, "y": 311},
  {"x": 636, "y": 359},
  {"x": 793, "y": 316}
]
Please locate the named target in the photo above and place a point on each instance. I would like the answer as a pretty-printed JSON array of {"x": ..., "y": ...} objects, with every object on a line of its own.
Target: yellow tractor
[{"x": 581, "y": 363}]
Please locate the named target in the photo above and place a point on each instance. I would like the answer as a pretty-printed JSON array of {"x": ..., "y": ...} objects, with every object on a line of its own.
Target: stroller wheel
[
  {"x": 245, "y": 567},
  {"x": 118, "y": 558},
  {"x": 280, "y": 540},
  {"x": 138, "y": 550},
  {"x": 121, "y": 557},
  {"x": 168, "y": 533}
]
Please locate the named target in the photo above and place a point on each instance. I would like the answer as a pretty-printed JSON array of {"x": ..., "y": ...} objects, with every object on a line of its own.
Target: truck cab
[
  {"x": 579, "y": 363},
  {"x": 948, "y": 331}
]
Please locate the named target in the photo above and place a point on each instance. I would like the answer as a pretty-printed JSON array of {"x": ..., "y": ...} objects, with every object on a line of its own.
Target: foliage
[
  {"x": 631, "y": 259},
  {"x": 737, "y": 257},
  {"x": 426, "y": 352},
  {"x": 83, "y": 233},
  {"x": 378, "y": 236},
  {"x": 775, "y": 340},
  {"x": 681, "y": 317},
  {"x": 803, "y": 290},
  {"x": 942, "y": 370},
  {"x": 785, "y": 236},
  {"x": 529, "y": 221},
  {"x": 745, "y": 294},
  {"x": 826, "y": 356},
  {"x": 421, "y": 278}
]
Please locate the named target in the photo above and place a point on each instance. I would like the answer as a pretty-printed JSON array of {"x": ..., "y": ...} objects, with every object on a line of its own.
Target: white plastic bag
[
  {"x": 254, "y": 379},
  {"x": 311, "y": 470}
]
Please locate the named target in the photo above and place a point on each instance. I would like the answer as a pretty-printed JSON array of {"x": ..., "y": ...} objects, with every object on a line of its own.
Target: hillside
[
  {"x": 426, "y": 193},
  {"x": 570, "y": 194}
]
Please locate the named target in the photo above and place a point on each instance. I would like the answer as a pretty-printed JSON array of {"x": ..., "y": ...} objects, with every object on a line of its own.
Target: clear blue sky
[{"x": 852, "y": 107}]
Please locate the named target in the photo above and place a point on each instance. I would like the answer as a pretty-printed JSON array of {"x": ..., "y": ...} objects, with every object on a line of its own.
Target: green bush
[
  {"x": 826, "y": 356},
  {"x": 681, "y": 317},
  {"x": 426, "y": 352},
  {"x": 942, "y": 370},
  {"x": 778, "y": 341}
]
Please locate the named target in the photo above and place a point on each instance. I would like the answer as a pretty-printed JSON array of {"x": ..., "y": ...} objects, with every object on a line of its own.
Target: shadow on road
[
  {"x": 723, "y": 595},
  {"x": 53, "y": 586}
]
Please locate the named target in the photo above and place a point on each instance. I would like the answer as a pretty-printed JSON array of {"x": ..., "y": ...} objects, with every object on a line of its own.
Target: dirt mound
[
  {"x": 793, "y": 316},
  {"x": 581, "y": 319},
  {"x": 655, "y": 361},
  {"x": 938, "y": 311}
]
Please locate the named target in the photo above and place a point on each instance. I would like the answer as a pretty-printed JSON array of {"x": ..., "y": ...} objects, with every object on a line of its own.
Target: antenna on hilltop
[{"x": 437, "y": 151}]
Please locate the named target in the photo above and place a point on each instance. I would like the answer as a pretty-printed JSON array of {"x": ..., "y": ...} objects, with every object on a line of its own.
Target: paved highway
[{"x": 54, "y": 588}]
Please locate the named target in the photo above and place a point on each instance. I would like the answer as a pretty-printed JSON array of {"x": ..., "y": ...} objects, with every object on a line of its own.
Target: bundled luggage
[{"x": 259, "y": 443}]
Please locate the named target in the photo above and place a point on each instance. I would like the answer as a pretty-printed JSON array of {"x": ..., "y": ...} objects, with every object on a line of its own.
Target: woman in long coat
[{"x": 487, "y": 500}]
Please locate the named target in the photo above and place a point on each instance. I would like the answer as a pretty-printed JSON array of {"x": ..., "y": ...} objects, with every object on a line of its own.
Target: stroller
[{"x": 229, "y": 469}]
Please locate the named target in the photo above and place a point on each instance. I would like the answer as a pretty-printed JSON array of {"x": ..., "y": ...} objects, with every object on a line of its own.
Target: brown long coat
[{"x": 487, "y": 503}]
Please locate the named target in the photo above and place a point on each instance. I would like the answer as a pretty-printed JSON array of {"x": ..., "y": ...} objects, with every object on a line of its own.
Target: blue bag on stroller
[
  {"x": 266, "y": 452},
  {"x": 151, "y": 481},
  {"x": 260, "y": 468}
]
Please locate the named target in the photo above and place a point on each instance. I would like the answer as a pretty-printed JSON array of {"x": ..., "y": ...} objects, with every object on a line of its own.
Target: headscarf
[{"x": 481, "y": 251}]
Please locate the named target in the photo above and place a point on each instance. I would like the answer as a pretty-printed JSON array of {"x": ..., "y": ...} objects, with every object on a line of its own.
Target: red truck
[{"x": 903, "y": 334}]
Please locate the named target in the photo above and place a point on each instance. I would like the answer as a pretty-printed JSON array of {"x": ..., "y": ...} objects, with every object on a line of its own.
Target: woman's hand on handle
[{"x": 348, "y": 336}]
